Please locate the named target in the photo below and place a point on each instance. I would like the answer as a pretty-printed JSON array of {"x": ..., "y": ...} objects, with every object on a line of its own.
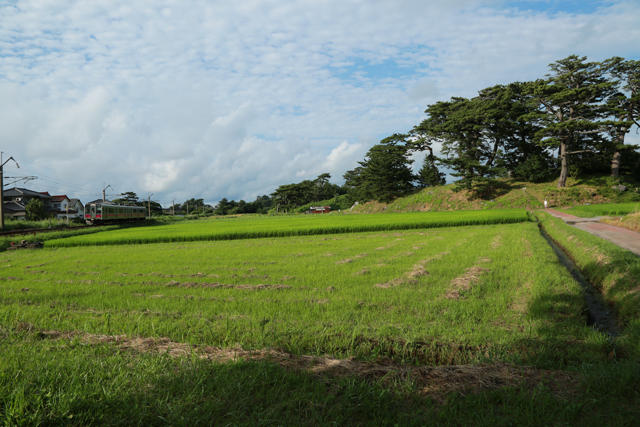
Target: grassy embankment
[
  {"x": 508, "y": 193},
  {"x": 89, "y": 334}
]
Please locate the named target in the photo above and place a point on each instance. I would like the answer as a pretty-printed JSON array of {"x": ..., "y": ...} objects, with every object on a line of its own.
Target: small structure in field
[
  {"x": 25, "y": 245},
  {"x": 319, "y": 209}
]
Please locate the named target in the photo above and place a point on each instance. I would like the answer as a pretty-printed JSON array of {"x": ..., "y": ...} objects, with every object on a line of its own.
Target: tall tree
[
  {"x": 385, "y": 172},
  {"x": 571, "y": 108},
  {"x": 128, "y": 198},
  {"x": 625, "y": 105},
  {"x": 429, "y": 175},
  {"x": 471, "y": 140}
]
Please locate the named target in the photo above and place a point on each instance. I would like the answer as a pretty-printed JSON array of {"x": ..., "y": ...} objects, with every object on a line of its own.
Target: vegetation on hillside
[{"x": 509, "y": 193}]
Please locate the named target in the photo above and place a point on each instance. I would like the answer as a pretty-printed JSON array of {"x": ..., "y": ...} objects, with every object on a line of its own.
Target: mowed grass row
[
  {"x": 299, "y": 225},
  {"x": 445, "y": 296},
  {"x": 588, "y": 211}
]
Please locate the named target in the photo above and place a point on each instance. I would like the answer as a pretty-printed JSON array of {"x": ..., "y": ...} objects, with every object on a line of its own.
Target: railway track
[{"x": 43, "y": 230}]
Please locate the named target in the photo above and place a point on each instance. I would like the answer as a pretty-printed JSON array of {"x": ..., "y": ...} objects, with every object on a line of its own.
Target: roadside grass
[
  {"x": 392, "y": 301},
  {"x": 45, "y": 223},
  {"x": 614, "y": 271},
  {"x": 293, "y": 225},
  {"x": 589, "y": 211},
  {"x": 630, "y": 222}
]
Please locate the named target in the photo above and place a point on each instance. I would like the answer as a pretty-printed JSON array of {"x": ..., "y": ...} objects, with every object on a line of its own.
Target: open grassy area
[
  {"x": 589, "y": 211},
  {"x": 246, "y": 227},
  {"x": 344, "y": 329}
]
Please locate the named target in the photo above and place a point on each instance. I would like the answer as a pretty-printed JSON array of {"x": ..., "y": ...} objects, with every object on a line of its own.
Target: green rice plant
[
  {"x": 296, "y": 225},
  {"x": 437, "y": 296},
  {"x": 448, "y": 296}
]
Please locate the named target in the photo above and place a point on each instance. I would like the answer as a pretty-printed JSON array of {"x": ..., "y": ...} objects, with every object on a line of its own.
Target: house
[
  {"x": 67, "y": 207},
  {"x": 76, "y": 205},
  {"x": 61, "y": 205},
  {"x": 16, "y": 199},
  {"x": 319, "y": 209}
]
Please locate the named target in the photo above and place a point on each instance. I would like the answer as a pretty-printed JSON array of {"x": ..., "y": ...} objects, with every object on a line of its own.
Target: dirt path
[{"x": 626, "y": 239}]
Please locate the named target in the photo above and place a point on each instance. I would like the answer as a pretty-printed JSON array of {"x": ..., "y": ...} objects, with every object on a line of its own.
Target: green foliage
[
  {"x": 429, "y": 175},
  {"x": 535, "y": 168},
  {"x": 35, "y": 210},
  {"x": 385, "y": 172},
  {"x": 128, "y": 198},
  {"x": 291, "y": 196},
  {"x": 226, "y": 207}
]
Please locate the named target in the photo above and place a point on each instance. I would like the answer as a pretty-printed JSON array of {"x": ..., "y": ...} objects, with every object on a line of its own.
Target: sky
[{"x": 176, "y": 99}]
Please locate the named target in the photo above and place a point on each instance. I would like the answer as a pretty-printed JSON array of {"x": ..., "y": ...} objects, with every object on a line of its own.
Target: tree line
[{"x": 573, "y": 121}]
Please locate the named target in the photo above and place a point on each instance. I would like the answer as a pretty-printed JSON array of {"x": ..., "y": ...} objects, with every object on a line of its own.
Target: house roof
[
  {"x": 74, "y": 202},
  {"x": 17, "y": 192},
  {"x": 100, "y": 202},
  {"x": 12, "y": 207},
  {"x": 59, "y": 198}
]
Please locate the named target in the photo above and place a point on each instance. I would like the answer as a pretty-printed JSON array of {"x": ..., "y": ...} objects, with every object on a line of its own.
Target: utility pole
[
  {"x": 150, "y": 205},
  {"x": 1, "y": 187},
  {"x": 187, "y": 208},
  {"x": 104, "y": 197},
  {"x": 174, "y": 207}
]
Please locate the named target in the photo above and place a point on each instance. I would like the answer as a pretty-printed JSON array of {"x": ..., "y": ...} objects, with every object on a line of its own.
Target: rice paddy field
[
  {"x": 476, "y": 324},
  {"x": 279, "y": 226},
  {"x": 588, "y": 211}
]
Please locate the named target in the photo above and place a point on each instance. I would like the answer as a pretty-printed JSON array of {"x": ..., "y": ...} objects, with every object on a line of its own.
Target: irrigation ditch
[{"x": 599, "y": 316}]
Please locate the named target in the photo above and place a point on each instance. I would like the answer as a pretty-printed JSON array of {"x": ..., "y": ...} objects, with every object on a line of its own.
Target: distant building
[
  {"x": 15, "y": 201},
  {"x": 319, "y": 209},
  {"x": 61, "y": 206},
  {"x": 67, "y": 207}
]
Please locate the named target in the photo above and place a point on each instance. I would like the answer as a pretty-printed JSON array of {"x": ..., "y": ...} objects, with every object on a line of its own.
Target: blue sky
[{"x": 194, "y": 98}]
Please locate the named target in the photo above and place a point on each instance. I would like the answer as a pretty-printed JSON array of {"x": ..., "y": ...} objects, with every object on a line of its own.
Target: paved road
[{"x": 626, "y": 239}]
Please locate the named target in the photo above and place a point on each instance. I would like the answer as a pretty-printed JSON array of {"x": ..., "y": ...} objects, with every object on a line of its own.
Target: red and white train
[{"x": 100, "y": 213}]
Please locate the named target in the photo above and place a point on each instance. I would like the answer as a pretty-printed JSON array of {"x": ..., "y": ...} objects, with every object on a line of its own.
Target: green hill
[{"x": 510, "y": 193}]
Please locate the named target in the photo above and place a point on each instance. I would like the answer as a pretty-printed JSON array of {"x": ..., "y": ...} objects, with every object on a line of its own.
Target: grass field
[
  {"x": 588, "y": 211},
  {"x": 309, "y": 330},
  {"x": 280, "y": 226}
]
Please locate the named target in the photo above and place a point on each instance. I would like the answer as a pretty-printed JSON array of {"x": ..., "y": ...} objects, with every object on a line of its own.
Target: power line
[{"x": 83, "y": 178}]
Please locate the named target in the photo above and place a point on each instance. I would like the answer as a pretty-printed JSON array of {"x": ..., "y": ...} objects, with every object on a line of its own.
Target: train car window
[{"x": 99, "y": 209}]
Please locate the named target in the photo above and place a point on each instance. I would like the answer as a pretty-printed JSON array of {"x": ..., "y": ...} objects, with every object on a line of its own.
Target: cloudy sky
[{"x": 212, "y": 99}]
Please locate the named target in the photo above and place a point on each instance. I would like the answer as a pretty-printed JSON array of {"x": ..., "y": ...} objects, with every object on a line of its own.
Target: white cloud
[{"x": 221, "y": 99}]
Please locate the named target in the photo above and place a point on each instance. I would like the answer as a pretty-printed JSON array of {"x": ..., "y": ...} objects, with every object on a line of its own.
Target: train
[{"x": 102, "y": 213}]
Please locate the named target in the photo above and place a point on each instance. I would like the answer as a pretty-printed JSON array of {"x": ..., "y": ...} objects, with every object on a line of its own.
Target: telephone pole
[
  {"x": 174, "y": 207},
  {"x": 104, "y": 197},
  {"x": 1, "y": 189},
  {"x": 150, "y": 205}
]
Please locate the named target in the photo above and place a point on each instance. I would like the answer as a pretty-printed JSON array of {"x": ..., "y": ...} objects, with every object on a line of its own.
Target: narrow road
[{"x": 626, "y": 239}]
